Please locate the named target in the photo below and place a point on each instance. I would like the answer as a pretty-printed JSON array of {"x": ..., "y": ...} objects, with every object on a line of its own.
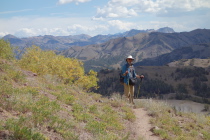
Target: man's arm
[{"x": 124, "y": 70}]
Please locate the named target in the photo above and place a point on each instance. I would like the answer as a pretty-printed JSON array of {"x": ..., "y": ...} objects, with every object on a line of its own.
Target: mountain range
[
  {"x": 141, "y": 46},
  {"x": 49, "y": 42},
  {"x": 148, "y": 47}
]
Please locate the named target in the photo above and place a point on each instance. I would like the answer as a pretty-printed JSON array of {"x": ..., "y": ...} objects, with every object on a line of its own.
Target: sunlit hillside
[{"x": 45, "y": 96}]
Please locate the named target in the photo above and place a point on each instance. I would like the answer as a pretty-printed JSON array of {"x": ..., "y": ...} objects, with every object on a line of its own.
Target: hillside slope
[
  {"x": 205, "y": 63},
  {"x": 201, "y": 51},
  {"x": 44, "y": 106},
  {"x": 140, "y": 46}
]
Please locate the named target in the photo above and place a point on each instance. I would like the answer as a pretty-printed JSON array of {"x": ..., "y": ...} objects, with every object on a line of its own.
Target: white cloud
[
  {"x": 129, "y": 8},
  {"x": 70, "y": 1},
  {"x": 114, "y": 11},
  {"x": 109, "y": 19},
  {"x": 34, "y": 26},
  {"x": 119, "y": 25},
  {"x": 24, "y": 27},
  {"x": 90, "y": 30},
  {"x": 25, "y": 32},
  {"x": 3, "y": 34},
  {"x": 124, "y": 2}
]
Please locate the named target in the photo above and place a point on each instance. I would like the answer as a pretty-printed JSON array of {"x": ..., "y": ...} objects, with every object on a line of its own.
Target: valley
[{"x": 165, "y": 58}]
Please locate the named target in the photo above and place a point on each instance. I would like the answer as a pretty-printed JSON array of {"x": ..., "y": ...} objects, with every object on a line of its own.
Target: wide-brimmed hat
[{"x": 129, "y": 57}]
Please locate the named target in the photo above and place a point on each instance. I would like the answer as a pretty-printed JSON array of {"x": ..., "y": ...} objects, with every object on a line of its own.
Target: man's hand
[
  {"x": 125, "y": 73},
  {"x": 142, "y": 76}
]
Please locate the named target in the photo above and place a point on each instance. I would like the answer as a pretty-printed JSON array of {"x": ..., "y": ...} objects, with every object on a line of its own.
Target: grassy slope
[{"x": 40, "y": 107}]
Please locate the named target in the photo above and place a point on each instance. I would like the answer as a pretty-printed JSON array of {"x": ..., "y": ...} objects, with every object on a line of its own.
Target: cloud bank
[
  {"x": 114, "y": 17},
  {"x": 130, "y": 8}
]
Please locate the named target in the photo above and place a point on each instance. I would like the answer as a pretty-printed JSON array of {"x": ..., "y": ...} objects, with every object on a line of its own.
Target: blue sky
[{"x": 24, "y": 18}]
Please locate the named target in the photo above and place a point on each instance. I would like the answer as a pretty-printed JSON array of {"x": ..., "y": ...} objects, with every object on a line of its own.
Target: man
[{"x": 128, "y": 72}]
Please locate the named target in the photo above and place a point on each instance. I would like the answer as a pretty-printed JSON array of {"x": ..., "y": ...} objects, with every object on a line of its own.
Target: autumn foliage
[
  {"x": 6, "y": 51},
  {"x": 68, "y": 70}
]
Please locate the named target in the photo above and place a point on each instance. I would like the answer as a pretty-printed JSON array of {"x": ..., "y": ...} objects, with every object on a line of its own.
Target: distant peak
[
  {"x": 166, "y": 30},
  {"x": 9, "y": 36}
]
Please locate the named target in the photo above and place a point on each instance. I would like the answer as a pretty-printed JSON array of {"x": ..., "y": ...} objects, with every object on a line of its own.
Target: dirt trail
[{"x": 143, "y": 126}]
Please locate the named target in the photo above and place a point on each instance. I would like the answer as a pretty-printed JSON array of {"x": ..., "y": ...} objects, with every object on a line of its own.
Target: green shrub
[
  {"x": 206, "y": 107},
  {"x": 93, "y": 109},
  {"x": 10, "y": 72},
  {"x": 162, "y": 133},
  {"x": 19, "y": 99},
  {"x": 66, "y": 98},
  {"x": 80, "y": 113},
  {"x": 129, "y": 115},
  {"x": 6, "y": 51},
  {"x": 21, "y": 132},
  {"x": 44, "y": 110},
  {"x": 206, "y": 135},
  {"x": 96, "y": 127}
]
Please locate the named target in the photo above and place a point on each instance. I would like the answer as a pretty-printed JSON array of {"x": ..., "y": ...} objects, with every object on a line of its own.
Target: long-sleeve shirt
[{"x": 131, "y": 72}]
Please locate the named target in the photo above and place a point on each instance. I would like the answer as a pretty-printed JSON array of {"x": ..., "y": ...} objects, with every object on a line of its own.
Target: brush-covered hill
[
  {"x": 196, "y": 53},
  {"x": 140, "y": 46},
  {"x": 197, "y": 62},
  {"x": 43, "y": 96}
]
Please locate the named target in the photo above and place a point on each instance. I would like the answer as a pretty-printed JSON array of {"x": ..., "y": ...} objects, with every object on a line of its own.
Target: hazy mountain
[
  {"x": 165, "y": 30},
  {"x": 141, "y": 46},
  {"x": 47, "y": 41},
  {"x": 103, "y": 38},
  {"x": 13, "y": 39},
  {"x": 64, "y": 42}
]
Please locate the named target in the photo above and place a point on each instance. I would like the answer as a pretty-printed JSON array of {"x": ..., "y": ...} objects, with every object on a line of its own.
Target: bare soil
[{"x": 142, "y": 125}]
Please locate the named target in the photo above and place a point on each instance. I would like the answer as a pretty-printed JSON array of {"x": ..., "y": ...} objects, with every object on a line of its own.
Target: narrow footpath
[{"x": 143, "y": 126}]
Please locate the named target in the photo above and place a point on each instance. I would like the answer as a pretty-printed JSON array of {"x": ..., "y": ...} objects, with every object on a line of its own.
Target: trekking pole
[
  {"x": 139, "y": 86},
  {"x": 129, "y": 93}
]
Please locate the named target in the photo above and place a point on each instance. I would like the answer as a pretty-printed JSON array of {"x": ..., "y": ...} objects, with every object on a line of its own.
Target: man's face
[{"x": 129, "y": 60}]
